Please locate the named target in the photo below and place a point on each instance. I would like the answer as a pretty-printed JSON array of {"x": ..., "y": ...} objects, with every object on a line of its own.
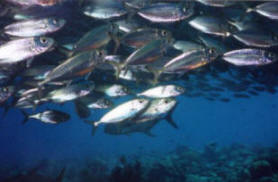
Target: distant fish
[
  {"x": 166, "y": 12},
  {"x": 34, "y": 27},
  {"x": 249, "y": 57},
  {"x": 267, "y": 9},
  {"x": 163, "y": 91},
  {"x": 48, "y": 116},
  {"x": 112, "y": 90}
]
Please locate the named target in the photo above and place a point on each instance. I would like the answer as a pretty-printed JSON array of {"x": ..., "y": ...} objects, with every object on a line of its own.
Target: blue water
[{"x": 246, "y": 121}]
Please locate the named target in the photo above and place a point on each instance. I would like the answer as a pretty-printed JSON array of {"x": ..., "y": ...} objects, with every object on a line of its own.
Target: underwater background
[{"x": 227, "y": 134}]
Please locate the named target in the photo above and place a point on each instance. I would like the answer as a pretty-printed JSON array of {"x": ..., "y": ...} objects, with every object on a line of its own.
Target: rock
[{"x": 260, "y": 169}]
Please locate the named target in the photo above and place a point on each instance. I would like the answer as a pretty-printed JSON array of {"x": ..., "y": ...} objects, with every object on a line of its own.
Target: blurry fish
[
  {"x": 94, "y": 101},
  {"x": 146, "y": 54},
  {"x": 248, "y": 57},
  {"x": 141, "y": 37},
  {"x": 185, "y": 62},
  {"x": 81, "y": 109},
  {"x": 185, "y": 46},
  {"x": 217, "y": 3},
  {"x": 127, "y": 26},
  {"x": 25, "y": 48},
  {"x": 212, "y": 25},
  {"x": 256, "y": 38},
  {"x": 38, "y": 72},
  {"x": 112, "y": 90},
  {"x": 166, "y": 12},
  {"x": 267, "y": 9},
  {"x": 210, "y": 42},
  {"x": 35, "y": 27},
  {"x": 48, "y": 116},
  {"x": 76, "y": 66},
  {"x": 71, "y": 92},
  {"x": 5, "y": 93},
  {"x": 97, "y": 38},
  {"x": 124, "y": 111},
  {"x": 158, "y": 109},
  {"x": 105, "y": 11},
  {"x": 163, "y": 91}
]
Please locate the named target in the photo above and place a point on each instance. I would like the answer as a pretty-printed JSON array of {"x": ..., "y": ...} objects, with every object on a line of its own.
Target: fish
[
  {"x": 105, "y": 11},
  {"x": 166, "y": 12},
  {"x": 122, "y": 112},
  {"x": 30, "y": 3},
  {"x": 212, "y": 25},
  {"x": 163, "y": 91},
  {"x": 185, "y": 46},
  {"x": 94, "y": 101},
  {"x": 141, "y": 37},
  {"x": 34, "y": 27},
  {"x": 39, "y": 72},
  {"x": 250, "y": 57},
  {"x": 186, "y": 61},
  {"x": 112, "y": 90},
  {"x": 217, "y": 3},
  {"x": 267, "y": 9},
  {"x": 5, "y": 93},
  {"x": 76, "y": 66},
  {"x": 25, "y": 48},
  {"x": 71, "y": 92},
  {"x": 48, "y": 116},
  {"x": 96, "y": 38},
  {"x": 260, "y": 39},
  {"x": 157, "y": 110}
]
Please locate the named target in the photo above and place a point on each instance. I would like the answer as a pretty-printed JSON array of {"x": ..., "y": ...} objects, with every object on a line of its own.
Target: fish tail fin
[
  {"x": 61, "y": 175},
  {"x": 156, "y": 74},
  {"x": 170, "y": 120},
  {"x": 94, "y": 126},
  {"x": 66, "y": 50},
  {"x": 26, "y": 117}
]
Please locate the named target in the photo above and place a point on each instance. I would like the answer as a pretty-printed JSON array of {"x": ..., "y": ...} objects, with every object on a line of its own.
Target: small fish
[
  {"x": 112, "y": 90},
  {"x": 71, "y": 92},
  {"x": 124, "y": 111},
  {"x": 48, "y": 116},
  {"x": 185, "y": 62},
  {"x": 106, "y": 11},
  {"x": 267, "y": 9},
  {"x": 126, "y": 26},
  {"x": 38, "y": 72},
  {"x": 217, "y": 3},
  {"x": 25, "y": 48},
  {"x": 5, "y": 93},
  {"x": 94, "y": 101},
  {"x": 249, "y": 57},
  {"x": 97, "y": 38},
  {"x": 157, "y": 110},
  {"x": 185, "y": 46},
  {"x": 166, "y": 12},
  {"x": 163, "y": 91},
  {"x": 212, "y": 25},
  {"x": 30, "y": 3},
  {"x": 141, "y": 37},
  {"x": 35, "y": 27},
  {"x": 76, "y": 66},
  {"x": 259, "y": 39}
]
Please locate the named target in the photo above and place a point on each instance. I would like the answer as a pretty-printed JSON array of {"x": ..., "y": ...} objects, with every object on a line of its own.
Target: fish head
[
  {"x": 98, "y": 55},
  {"x": 176, "y": 90},
  {"x": 166, "y": 104},
  {"x": 103, "y": 103},
  {"x": 140, "y": 103},
  {"x": 55, "y": 23},
  {"x": 42, "y": 44},
  {"x": 164, "y": 34},
  {"x": 269, "y": 57},
  {"x": 211, "y": 53}
]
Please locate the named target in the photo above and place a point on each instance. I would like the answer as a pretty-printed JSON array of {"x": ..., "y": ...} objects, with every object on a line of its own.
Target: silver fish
[
  {"x": 267, "y": 9},
  {"x": 35, "y": 27},
  {"x": 25, "y": 48},
  {"x": 48, "y": 116},
  {"x": 166, "y": 12},
  {"x": 249, "y": 57},
  {"x": 163, "y": 91}
]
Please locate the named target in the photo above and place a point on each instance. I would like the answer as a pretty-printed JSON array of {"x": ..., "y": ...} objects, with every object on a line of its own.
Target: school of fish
[{"x": 139, "y": 54}]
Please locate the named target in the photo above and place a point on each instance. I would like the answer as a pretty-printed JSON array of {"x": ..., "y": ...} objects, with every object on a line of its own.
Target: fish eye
[
  {"x": 43, "y": 40},
  {"x": 166, "y": 101},
  {"x": 164, "y": 33},
  {"x": 141, "y": 101},
  {"x": 5, "y": 89},
  {"x": 54, "y": 22},
  {"x": 99, "y": 53},
  {"x": 184, "y": 9}
]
